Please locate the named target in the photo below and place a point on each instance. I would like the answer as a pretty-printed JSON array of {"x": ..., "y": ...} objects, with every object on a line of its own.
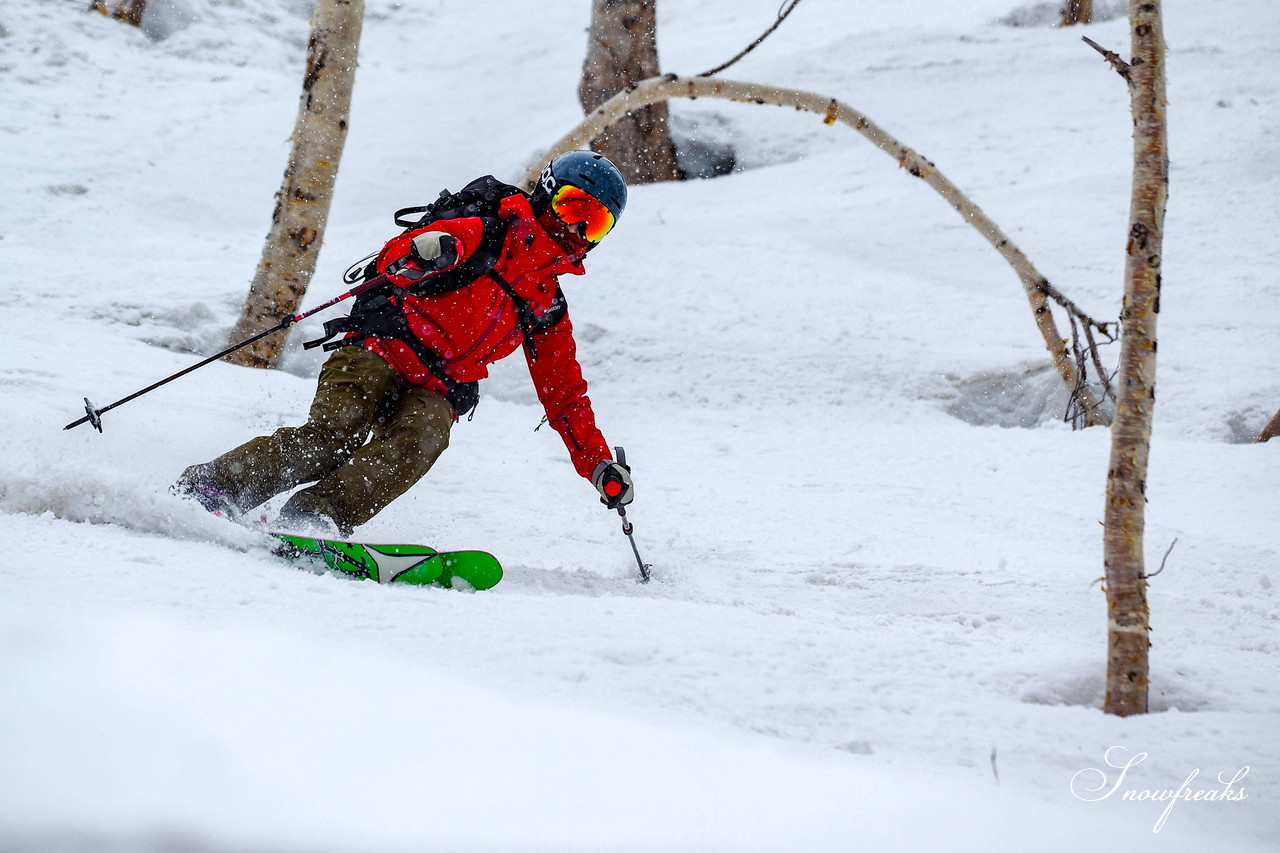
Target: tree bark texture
[
  {"x": 622, "y": 49},
  {"x": 1271, "y": 430},
  {"x": 1128, "y": 622},
  {"x": 302, "y": 204},
  {"x": 136, "y": 11},
  {"x": 129, "y": 11},
  {"x": 655, "y": 89},
  {"x": 1077, "y": 12}
]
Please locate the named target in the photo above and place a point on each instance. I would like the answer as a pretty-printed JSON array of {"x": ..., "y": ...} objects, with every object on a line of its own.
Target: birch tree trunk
[
  {"x": 302, "y": 204},
  {"x": 1037, "y": 287},
  {"x": 1127, "y": 612},
  {"x": 622, "y": 49}
]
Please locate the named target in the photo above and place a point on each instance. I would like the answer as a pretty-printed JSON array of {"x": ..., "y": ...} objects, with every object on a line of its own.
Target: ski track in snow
[{"x": 864, "y": 609}]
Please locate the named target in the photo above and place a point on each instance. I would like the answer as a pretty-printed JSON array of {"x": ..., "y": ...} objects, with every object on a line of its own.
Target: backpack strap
[
  {"x": 383, "y": 317},
  {"x": 530, "y": 323},
  {"x": 482, "y": 197},
  {"x": 405, "y": 219}
]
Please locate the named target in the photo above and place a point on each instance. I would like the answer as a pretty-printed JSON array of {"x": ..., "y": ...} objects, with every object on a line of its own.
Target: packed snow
[{"x": 875, "y": 622}]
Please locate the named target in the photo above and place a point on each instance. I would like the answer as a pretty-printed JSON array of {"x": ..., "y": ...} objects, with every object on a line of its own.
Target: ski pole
[
  {"x": 94, "y": 415},
  {"x": 627, "y": 528}
]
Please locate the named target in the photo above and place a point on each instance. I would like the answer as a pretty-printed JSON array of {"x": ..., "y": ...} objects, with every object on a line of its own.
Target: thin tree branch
[
  {"x": 783, "y": 11},
  {"x": 1166, "y": 557},
  {"x": 1084, "y": 353},
  {"x": 1089, "y": 349},
  {"x": 1121, "y": 67},
  {"x": 1076, "y": 411},
  {"x": 1097, "y": 362},
  {"x": 1057, "y": 296}
]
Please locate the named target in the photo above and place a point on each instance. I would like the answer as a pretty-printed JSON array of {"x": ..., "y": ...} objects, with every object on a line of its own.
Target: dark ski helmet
[{"x": 583, "y": 189}]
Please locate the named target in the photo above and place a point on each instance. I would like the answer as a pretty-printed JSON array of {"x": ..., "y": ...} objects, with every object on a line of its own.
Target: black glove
[
  {"x": 433, "y": 250},
  {"x": 613, "y": 481}
]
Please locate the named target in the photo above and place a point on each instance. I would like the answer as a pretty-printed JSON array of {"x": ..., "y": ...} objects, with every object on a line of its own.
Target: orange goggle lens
[{"x": 575, "y": 206}]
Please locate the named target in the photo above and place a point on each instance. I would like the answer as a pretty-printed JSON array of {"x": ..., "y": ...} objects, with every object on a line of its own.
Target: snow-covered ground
[{"x": 876, "y": 624}]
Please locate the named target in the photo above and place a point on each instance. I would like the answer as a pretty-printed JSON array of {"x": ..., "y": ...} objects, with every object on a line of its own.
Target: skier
[{"x": 462, "y": 293}]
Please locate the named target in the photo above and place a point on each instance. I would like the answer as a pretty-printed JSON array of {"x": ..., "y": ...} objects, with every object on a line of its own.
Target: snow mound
[{"x": 1027, "y": 397}]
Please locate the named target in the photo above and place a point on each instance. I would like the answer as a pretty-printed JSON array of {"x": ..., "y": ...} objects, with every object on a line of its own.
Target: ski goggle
[{"x": 576, "y": 206}]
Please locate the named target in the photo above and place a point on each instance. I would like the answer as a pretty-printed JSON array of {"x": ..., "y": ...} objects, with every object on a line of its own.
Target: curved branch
[
  {"x": 782, "y": 16},
  {"x": 1037, "y": 287}
]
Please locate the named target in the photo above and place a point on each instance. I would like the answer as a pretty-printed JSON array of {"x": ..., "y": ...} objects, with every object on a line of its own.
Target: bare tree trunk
[
  {"x": 1128, "y": 623},
  {"x": 1037, "y": 287},
  {"x": 1271, "y": 430},
  {"x": 1077, "y": 12},
  {"x": 136, "y": 11},
  {"x": 130, "y": 11},
  {"x": 622, "y": 49},
  {"x": 302, "y": 204}
]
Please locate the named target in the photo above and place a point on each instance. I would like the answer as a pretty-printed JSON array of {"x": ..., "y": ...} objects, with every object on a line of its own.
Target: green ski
[{"x": 415, "y": 564}]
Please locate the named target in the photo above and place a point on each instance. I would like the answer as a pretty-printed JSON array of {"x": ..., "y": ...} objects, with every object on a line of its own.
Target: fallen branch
[{"x": 1036, "y": 286}]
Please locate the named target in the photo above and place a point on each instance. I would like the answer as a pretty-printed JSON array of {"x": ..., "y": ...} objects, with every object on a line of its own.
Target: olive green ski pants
[{"x": 368, "y": 438}]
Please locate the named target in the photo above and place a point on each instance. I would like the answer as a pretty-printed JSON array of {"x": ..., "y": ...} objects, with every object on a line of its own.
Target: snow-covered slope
[{"x": 876, "y": 625}]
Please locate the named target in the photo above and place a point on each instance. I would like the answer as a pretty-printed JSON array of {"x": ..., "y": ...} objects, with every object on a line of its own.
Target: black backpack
[
  {"x": 378, "y": 312},
  {"x": 480, "y": 198}
]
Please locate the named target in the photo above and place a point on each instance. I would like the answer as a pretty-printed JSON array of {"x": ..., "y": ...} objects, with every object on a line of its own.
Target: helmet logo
[{"x": 547, "y": 180}]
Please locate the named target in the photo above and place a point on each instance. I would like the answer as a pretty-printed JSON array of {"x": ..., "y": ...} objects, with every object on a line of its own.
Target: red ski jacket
[{"x": 478, "y": 324}]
